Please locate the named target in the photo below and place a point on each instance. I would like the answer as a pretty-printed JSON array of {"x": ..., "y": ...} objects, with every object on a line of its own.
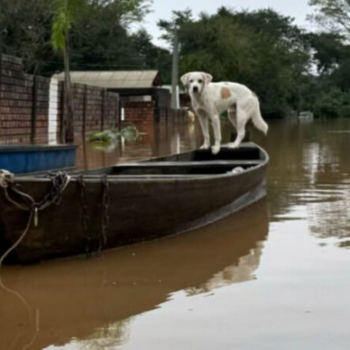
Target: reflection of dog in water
[
  {"x": 210, "y": 100},
  {"x": 190, "y": 116}
]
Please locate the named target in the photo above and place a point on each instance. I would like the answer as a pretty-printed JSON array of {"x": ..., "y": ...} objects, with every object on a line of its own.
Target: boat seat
[
  {"x": 223, "y": 163},
  {"x": 182, "y": 168}
]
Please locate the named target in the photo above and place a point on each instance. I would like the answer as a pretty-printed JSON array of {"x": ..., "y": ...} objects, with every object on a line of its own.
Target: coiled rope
[{"x": 59, "y": 182}]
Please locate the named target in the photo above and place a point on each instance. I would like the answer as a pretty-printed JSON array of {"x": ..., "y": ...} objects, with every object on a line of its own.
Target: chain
[
  {"x": 85, "y": 215},
  {"x": 105, "y": 215},
  {"x": 59, "y": 183}
]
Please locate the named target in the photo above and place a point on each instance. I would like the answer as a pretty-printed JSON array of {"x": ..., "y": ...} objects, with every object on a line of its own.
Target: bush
[{"x": 333, "y": 103}]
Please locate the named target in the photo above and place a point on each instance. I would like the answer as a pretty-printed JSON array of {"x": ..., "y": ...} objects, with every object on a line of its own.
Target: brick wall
[
  {"x": 140, "y": 114},
  {"x": 95, "y": 108},
  {"x": 41, "y": 104},
  {"x": 31, "y": 108},
  {"x": 111, "y": 110},
  {"x": 16, "y": 100}
]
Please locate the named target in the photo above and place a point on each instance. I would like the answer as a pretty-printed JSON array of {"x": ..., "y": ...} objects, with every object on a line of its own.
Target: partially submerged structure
[{"x": 143, "y": 100}]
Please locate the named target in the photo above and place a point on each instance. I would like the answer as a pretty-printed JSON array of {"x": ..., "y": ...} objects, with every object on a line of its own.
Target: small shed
[
  {"x": 130, "y": 85},
  {"x": 143, "y": 99}
]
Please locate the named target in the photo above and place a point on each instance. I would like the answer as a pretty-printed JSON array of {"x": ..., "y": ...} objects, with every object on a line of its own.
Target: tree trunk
[{"x": 69, "y": 115}]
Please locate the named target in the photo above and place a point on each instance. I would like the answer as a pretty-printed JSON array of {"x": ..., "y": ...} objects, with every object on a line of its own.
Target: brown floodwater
[{"x": 272, "y": 276}]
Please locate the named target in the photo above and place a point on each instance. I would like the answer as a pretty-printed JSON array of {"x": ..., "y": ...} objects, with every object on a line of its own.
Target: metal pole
[
  {"x": 175, "y": 74},
  {"x": 34, "y": 110}
]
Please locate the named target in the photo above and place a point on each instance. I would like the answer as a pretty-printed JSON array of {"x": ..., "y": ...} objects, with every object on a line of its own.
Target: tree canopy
[
  {"x": 261, "y": 49},
  {"x": 289, "y": 68},
  {"x": 99, "y": 38}
]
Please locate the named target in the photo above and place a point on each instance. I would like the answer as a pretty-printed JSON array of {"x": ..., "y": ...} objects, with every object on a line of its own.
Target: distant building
[
  {"x": 184, "y": 99},
  {"x": 143, "y": 99}
]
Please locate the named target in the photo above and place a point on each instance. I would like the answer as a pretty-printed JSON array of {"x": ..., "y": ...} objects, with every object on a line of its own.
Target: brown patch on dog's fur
[
  {"x": 201, "y": 112},
  {"x": 225, "y": 93}
]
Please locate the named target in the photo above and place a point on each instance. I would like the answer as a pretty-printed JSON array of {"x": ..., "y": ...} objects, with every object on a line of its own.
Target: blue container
[{"x": 34, "y": 158}]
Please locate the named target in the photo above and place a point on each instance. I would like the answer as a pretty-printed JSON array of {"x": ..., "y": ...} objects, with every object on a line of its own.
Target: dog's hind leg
[
  {"x": 232, "y": 116},
  {"x": 241, "y": 121},
  {"x": 217, "y": 134}
]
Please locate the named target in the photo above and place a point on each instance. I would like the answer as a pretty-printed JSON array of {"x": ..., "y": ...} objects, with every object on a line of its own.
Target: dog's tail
[{"x": 258, "y": 120}]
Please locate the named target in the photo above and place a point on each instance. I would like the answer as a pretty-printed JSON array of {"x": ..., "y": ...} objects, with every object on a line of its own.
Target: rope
[
  {"x": 5, "y": 178},
  {"x": 105, "y": 215},
  {"x": 59, "y": 182},
  {"x": 9, "y": 251}
]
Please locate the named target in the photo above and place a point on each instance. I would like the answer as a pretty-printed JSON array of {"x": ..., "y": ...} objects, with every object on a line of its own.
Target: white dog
[{"x": 209, "y": 100}]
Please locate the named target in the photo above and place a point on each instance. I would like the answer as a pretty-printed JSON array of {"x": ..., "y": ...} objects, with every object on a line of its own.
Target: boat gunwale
[{"x": 154, "y": 178}]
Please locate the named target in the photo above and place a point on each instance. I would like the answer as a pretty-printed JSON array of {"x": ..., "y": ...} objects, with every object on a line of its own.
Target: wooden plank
[
  {"x": 191, "y": 164},
  {"x": 145, "y": 176}
]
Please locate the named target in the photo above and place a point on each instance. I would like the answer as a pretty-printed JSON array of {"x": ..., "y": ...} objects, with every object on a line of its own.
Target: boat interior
[
  {"x": 199, "y": 162},
  {"x": 194, "y": 163}
]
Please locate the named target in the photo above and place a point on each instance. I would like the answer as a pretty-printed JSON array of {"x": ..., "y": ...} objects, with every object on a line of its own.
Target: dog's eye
[
  {"x": 200, "y": 81},
  {"x": 191, "y": 81}
]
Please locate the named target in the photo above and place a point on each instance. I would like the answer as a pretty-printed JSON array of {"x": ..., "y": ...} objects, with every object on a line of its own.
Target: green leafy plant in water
[
  {"x": 110, "y": 136},
  {"x": 130, "y": 133},
  {"x": 106, "y": 136}
]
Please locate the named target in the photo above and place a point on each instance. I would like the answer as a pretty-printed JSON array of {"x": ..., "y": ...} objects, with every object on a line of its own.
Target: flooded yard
[{"x": 272, "y": 276}]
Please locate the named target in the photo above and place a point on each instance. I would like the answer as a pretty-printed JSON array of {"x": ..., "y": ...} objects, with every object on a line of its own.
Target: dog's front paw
[
  {"x": 205, "y": 146},
  {"x": 215, "y": 149},
  {"x": 233, "y": 145}
]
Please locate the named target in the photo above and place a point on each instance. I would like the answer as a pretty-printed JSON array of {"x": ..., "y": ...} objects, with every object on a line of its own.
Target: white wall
[{"x": 53, "y": 111}]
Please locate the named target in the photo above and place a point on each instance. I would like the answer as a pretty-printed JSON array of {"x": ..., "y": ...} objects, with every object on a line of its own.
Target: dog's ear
[
  {"x": 185, "y": 79},
  {"x": 207, "y": 78}
]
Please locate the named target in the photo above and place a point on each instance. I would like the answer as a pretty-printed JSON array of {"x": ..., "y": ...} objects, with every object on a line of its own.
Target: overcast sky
[{"x": 162, "y": 9}]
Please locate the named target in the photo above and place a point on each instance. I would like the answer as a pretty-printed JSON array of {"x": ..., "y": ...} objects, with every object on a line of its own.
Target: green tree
[
  {"x": 328, "y": 49},
  {"x": 66, "y": 12},
  {"x": 153, "y": 57},
  {"x": 179, "y": 19},
  {"x": 25, "y": 28},
  {"x": 99, "y": 38},
  {"x": 261, "y": 49},
  {"x": 81, "y": 15},
  {"x": 327, "y": 92},
  {"x": 333, "y": 103},
  {"x": 332, "y": 14}
]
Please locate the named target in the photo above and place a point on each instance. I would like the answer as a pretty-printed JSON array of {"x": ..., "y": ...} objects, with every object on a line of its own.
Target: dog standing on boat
[{"x": 209, "y": 100}]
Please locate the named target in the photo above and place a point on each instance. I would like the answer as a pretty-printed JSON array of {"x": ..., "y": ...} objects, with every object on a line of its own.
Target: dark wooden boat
[{"x": 126, "y": 204}]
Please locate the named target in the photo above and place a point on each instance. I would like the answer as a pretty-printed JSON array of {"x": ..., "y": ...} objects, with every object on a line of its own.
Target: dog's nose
[{"x": 195, "y": 89}]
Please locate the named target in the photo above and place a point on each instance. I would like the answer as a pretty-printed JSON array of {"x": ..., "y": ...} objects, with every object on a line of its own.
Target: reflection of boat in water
[{"x": 77, "y": 298}]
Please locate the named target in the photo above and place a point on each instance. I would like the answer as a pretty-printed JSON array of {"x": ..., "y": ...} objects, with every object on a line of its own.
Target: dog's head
[{"x": 196, "y": 81}]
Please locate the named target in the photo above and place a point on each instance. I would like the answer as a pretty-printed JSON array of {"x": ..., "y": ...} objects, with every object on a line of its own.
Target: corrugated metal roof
[{"x": 114, "y": 79}]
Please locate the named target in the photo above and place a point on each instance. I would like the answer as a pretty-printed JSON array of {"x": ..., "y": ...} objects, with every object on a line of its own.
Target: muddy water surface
[{"x": 273, "y": 276}]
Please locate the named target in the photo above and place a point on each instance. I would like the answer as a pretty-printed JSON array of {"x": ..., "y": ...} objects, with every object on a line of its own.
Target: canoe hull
[{"x": 138, "y": 210}]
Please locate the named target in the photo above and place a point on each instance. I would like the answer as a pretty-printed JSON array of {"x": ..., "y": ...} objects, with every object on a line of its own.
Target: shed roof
[{"x": 115, "y": 79}]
